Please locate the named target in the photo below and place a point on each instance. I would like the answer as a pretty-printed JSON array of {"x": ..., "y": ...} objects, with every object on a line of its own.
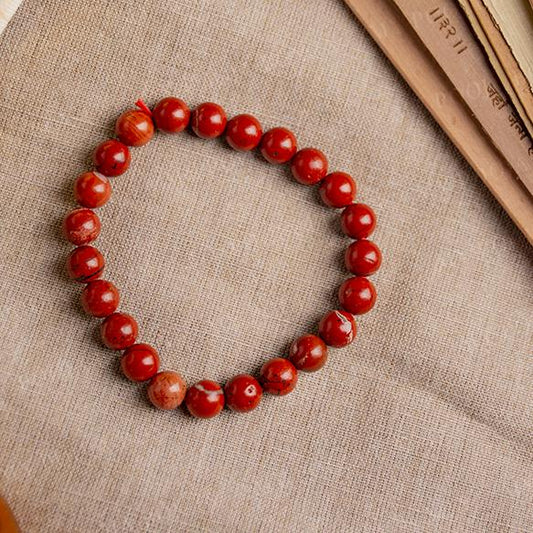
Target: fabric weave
[{"x": 423, "y": 424}]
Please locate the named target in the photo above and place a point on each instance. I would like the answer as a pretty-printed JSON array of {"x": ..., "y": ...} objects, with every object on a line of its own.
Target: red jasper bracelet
[{"x": 100, "y": 298}]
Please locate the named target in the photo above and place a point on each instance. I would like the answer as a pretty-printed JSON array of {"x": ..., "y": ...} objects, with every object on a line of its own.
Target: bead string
[{"x": 100, "y": 298}]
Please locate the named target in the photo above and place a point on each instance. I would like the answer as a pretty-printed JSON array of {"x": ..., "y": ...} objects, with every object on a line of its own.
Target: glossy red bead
[
  {"x": 309, "y": 166},
  {"x": 166, "y": 390},
  {"x": 140, "y": 362},
  {"x": 92, "y": 189},
  {"x": 243, "y": 132},
  {"x": 338, "y": 189},
  {"x": 208, "y": 120},
  {"x": 308, "y": 353},
  {"x": 119, "y": 331},
  {"x": 100, "y": 298},
  {"x": 278, "y": 145},
  {"x": 205, "y": 399},
  {"x": 243, "y": 393},
  {"x": 363, "y": 258},
  {"x": 337, "y": 329},
  {"x": 358, "y": 221},
  {"x": 111, "y": 158},
  {"x": 85, "y": 264},
  {"x": 357, "y": 295},
  {"x": 81, "y": 226},
  {"x": 171, "y": 115},
  {"x": 278, "y": 376},
  {"x": 134, "y": 127}
]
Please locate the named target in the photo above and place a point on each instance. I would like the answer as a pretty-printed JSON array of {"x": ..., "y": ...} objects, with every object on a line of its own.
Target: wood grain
[{"x": 407, "y": 53}]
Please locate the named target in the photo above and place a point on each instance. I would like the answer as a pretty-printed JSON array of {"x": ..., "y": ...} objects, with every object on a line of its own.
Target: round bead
[
  {"x": 140, "y": 362},
  {"x": 134, "y": 127},
  {"x": 338, "y": 189},
  {"x": 243, "y": 133},
  {"x": 358, "y": 221},
  {"x": 278, "y": 376},
  {"x": 363, "y": 258},
  {"x": 166, "y": 390},
  {"x": 309, "y": 166},
  {"x": 308, "y": 353},
  {"x": 243, "y": 393},
  {"x": 357, "y": 295},
  {"x": 119, "y": 331},
  {"x": 81, "y": 226},
  {"x": 92, "y": 189},
  {"x": 337, "y": 329},
  {"x": 205, "y": 399},
  {"x": 208, "y": 120},
  {"x": 278, "y": 145},
  {"x": 100, "y": 298},
  {"x": 111, "y": 158},
  {"x": 85, "y": 264},
  {"x": 171, "y": 115}
]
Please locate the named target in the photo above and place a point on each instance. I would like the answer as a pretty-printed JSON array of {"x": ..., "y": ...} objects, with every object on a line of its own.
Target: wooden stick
[{"x": 407, "y": 53}]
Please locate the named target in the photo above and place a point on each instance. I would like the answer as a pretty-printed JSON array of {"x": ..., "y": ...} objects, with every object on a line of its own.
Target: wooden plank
[
  {"x": 407, "y": 53},
  {"x": 450, "y": 40},
  {"x": 499, "y": 69},
  {"x": 505, "y": 56}
]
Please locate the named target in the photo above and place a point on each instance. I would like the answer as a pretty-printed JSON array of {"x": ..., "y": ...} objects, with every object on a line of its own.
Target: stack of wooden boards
[{"x": 471, "y": 64}]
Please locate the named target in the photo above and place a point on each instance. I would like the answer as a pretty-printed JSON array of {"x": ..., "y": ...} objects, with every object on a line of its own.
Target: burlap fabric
[{"x": 424, "y": 424}]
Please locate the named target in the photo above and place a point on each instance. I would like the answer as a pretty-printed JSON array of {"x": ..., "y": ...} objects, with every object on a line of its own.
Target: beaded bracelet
[{"x": 100, "y": 298}]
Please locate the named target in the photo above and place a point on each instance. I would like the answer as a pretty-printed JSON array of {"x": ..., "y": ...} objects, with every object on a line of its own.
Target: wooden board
[
  {"x": 515, "y": 23},
  {"x": 504, "y": 55},
  {"x": 407, "y": 53},
  {"x": 516, "y": 92},
  {"x": 450, "y": 40}
]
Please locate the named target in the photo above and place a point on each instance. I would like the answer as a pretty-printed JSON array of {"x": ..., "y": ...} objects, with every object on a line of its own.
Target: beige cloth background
[{"x": 424, "y": 424}]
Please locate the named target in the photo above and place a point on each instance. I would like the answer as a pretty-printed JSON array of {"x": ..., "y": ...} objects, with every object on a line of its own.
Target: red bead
[
  {"x": 205, "y": 399},
  {"x": 243, "y": 393},
  {"x": 278, "y": 145},
  {"x": 140, "y": 362},
  {"x": 278, "y": 376},
  {"x": 92, "y": 189},
  {"x": 171, "y": 115},
  {"x": 119, "y": 331},
  {"x": 111, "y": 158},
  {"x": 85, "y": 264},
  {"x": 309, "y": 166},
  {"x": 243, "y": 132},
  {"x": 357, "y": 295},
  {"x": 134, "y": 127},
  {"x": 166, "y": 390},
  {"x": 337, "y": 329},
  {"x": 81, "y": 226},
  {"x": 338, "y": 189},
  {"x": 358, "y": 221},
  {"x": 208, "y": 120},
  {"x": 308, "y": 353},
  {"x": 100, "y": 298},
  {"x": 363, "y": 258}
]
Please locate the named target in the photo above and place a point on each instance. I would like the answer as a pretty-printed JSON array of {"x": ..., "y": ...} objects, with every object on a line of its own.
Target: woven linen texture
[{"x": 424, "y": 424}]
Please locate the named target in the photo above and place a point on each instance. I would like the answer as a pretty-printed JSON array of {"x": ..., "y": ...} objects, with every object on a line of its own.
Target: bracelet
[{"x": 100, "y": 298}]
